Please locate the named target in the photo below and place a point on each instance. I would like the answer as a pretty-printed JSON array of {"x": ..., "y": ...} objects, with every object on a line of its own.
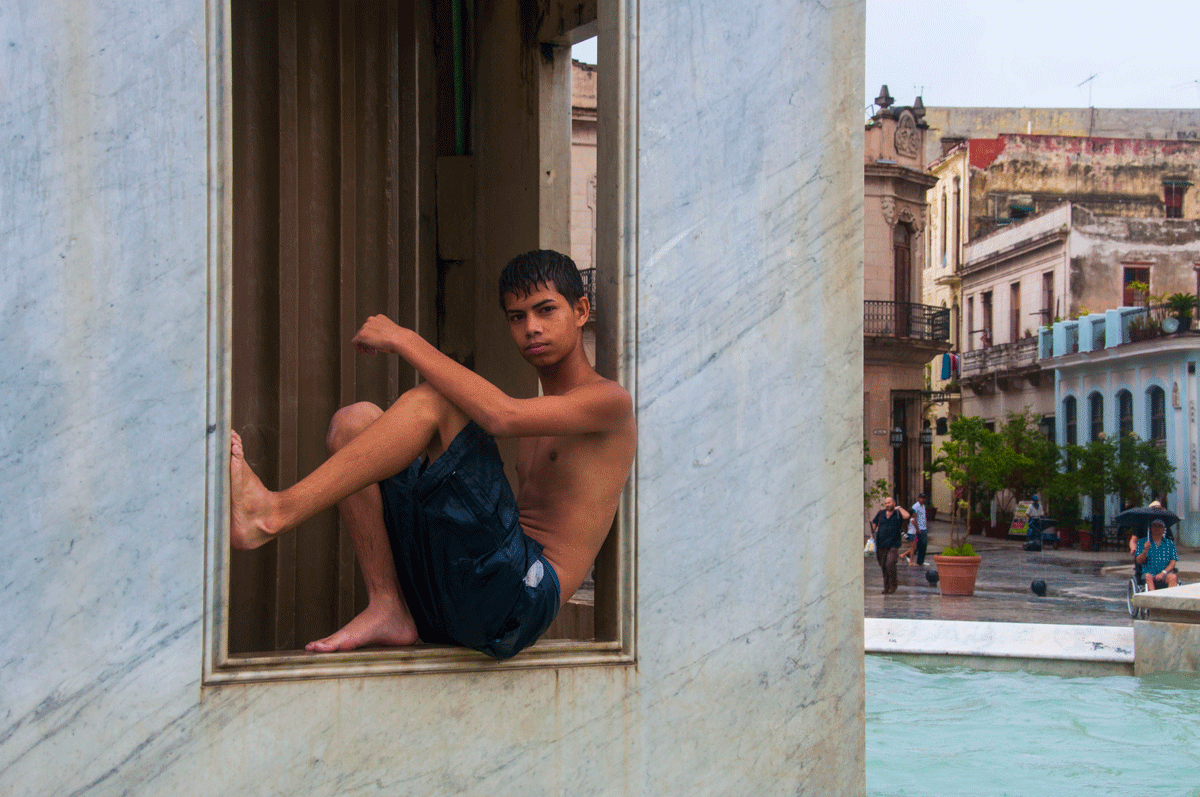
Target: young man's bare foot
[
  {"x": 385, "y": 627},
  {"x": 250, "y": 501}
]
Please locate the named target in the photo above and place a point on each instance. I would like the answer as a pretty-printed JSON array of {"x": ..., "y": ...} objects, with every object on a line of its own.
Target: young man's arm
[{"x": 596, "y": 407}]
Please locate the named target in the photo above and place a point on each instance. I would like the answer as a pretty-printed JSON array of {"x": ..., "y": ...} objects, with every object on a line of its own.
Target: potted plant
[
  {"x": 1141, "y": 293},
  {"x": 1142, "y": 327},
  {"x": 1182, "y": 306},
  {"x": 957, "y": 569}
]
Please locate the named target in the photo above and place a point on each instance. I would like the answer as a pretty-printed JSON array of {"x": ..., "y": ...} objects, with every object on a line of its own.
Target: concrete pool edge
[{"x": 1035, "y": 647}]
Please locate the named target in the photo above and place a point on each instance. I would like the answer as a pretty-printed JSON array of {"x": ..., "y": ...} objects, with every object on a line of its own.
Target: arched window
[
  {"x": 1124, "y": 412},
  {"x": 1096, "y": 411},
  {"x": 1156, "y": 401},
  {"x": 1069, "y": 420}
]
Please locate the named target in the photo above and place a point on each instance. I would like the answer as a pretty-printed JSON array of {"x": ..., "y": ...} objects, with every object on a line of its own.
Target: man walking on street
[
  {"x": 919, "y": 520},
  {"x": 885, "y": 529}
]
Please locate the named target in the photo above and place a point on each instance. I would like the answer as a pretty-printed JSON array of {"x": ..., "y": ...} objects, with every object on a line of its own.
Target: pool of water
[{"x": 955, "y": 731}]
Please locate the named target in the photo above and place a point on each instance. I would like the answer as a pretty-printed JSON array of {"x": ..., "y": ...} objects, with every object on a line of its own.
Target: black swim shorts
[{"x": 469, "y": 573}]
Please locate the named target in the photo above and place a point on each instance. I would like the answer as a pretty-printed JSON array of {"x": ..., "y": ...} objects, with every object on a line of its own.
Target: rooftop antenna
[
  {"x": 1089, "y": 85},
  {"x": 1092, "y": 108}
]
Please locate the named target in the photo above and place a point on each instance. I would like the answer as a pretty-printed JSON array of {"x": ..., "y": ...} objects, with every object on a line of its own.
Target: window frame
[
  {"x": 1155, "y": 418},
  {"x": 1174, "y": 191},
  {"x": 1070, "y": 420},
  {"x": 1124, "y": 417},
  {"x": 1095, "y": 415},
  {"x": 616, "y": 349}
]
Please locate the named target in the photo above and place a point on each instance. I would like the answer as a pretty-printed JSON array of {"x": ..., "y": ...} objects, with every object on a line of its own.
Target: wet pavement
[{"x": 1082, "y": 587}]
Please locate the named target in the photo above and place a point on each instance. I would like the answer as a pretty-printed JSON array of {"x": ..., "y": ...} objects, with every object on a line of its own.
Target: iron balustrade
[
  {"x": 905, "y": 320},
  {"x": 588, "y": 275},
  {"x": 1000, "y": 358}
]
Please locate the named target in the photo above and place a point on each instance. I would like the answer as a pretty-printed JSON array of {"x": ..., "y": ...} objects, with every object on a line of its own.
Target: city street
[{"x": 1086, "y": 588}]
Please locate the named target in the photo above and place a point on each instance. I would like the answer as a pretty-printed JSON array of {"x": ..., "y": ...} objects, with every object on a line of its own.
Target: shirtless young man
[{"x": 446, "y": 553}]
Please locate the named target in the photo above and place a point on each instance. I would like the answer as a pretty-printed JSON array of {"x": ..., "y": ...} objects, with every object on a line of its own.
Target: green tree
[
  {"x": 1132, "y": 469},
  {"x": 1141, "y": 470},
  {"x": 1027, "y": 461},
  {"x": 972, "y": 461}
]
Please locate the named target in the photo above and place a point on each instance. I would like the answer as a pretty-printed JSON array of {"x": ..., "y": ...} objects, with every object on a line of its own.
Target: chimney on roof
[{"x": 950, "y": 142}]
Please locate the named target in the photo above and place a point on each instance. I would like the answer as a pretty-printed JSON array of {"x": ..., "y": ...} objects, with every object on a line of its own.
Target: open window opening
[
  {"x": 362, "y": 138},
  {"x": 1173, "y": 191}
]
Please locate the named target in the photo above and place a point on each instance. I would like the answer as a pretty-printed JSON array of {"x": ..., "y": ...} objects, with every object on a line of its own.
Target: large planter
[
  {"x": 1085, "y": 539},
  {"x": 956, "y": 574},
  {"x": 1066, "y": 537}
]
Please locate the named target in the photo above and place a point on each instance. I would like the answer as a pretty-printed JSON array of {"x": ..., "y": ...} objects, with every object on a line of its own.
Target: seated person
[
  {"x": 1033, "y": 531},
  {"x": 1157, "y": 557},
  {"x": 1133, "y": 538},
  {"x": 447, "y": 553}
]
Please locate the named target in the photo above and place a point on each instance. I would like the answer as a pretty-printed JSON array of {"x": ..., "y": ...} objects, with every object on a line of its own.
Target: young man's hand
[{"x": 377, "y": 334}]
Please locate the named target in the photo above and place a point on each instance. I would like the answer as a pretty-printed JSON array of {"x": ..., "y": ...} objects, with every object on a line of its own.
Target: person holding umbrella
[
  {"x": 1155, "y": 507},
  {"x": 1156, "y": 554}
]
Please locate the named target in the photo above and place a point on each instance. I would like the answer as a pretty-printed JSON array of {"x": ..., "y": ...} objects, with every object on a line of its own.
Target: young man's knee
[
  {"x": 349, "y": 422},
  {"x": 436, "y": 409}
]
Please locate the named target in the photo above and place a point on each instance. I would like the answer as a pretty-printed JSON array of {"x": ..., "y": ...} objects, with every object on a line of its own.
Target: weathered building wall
[
  {"x": 584, "y": 80},
  {"x": 745, "y": 234},
  {"x": 1101, "y": 246},
  {"x": 1174, "y": 124},
  {"x": 1020, "y": 174}
]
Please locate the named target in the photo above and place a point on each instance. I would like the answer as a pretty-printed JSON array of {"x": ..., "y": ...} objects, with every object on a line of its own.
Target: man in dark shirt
[{"x": 886, "y": 531}]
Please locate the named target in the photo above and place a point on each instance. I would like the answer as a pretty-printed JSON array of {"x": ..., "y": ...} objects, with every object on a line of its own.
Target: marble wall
[{"x": 748, "y": 369}]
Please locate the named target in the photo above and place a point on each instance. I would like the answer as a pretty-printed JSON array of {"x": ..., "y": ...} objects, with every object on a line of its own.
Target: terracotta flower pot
[{"x": 956, "y": 574}]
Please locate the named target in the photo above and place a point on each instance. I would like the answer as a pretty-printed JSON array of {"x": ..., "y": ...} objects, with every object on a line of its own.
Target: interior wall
[{"x": 746, "y": 275}]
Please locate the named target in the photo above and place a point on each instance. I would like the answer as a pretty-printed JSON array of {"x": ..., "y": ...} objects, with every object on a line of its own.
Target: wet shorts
[{"x": 469, "y": 573}]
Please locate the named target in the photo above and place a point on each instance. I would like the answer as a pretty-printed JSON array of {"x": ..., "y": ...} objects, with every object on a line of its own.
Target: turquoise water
[{"x": 955, "y": 731}]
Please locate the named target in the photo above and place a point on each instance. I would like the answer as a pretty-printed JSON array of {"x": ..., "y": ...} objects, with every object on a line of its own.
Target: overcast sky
[{"x": 1025, "y": 53}]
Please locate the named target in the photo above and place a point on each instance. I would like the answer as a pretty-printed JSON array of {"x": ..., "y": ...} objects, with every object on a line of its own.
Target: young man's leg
[
  {"x": 420, "y": 421},
  {"x": 386, "y": 620}
]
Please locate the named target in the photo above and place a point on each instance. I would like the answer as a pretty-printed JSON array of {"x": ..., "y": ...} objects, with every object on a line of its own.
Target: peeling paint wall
[
  {"x": 1168, "y": 124},
  {"x": 1024, "y": 175}
]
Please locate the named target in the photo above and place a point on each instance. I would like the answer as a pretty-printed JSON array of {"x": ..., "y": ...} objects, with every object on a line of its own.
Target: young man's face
[{"x": 543, "y": 324}]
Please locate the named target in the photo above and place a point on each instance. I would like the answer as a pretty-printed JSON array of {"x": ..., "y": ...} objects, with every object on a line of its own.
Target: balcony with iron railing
[{"x": 906, "y": 321}]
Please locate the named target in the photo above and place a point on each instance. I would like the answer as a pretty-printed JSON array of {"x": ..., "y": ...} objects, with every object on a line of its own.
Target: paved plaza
[{"x": 1082, "y": 588}]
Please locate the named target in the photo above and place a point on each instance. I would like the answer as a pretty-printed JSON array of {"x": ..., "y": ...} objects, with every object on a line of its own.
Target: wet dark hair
[{"x": 525, "y": 272}]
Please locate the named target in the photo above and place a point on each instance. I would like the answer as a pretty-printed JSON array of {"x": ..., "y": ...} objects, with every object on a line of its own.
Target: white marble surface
[
  {"x": 1166, "y": 647},
  {"x": 749, "y": 679},
  {"x": 1085, "y": 643},
  {"x": 1184, "y": 598}
]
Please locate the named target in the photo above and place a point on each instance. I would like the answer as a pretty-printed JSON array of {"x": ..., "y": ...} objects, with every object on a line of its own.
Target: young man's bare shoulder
[{"x": 604, "y": 397}]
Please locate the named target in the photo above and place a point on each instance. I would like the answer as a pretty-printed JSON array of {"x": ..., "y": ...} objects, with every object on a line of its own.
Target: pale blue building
[{"x": 1105, "y": 382}]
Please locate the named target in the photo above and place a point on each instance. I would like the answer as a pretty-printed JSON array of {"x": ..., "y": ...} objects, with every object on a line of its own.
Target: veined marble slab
[
  {"x": 1185, "y": 598},
  {"x": 1087, "y": 643},
  {"x": 748, "y": 286}
]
